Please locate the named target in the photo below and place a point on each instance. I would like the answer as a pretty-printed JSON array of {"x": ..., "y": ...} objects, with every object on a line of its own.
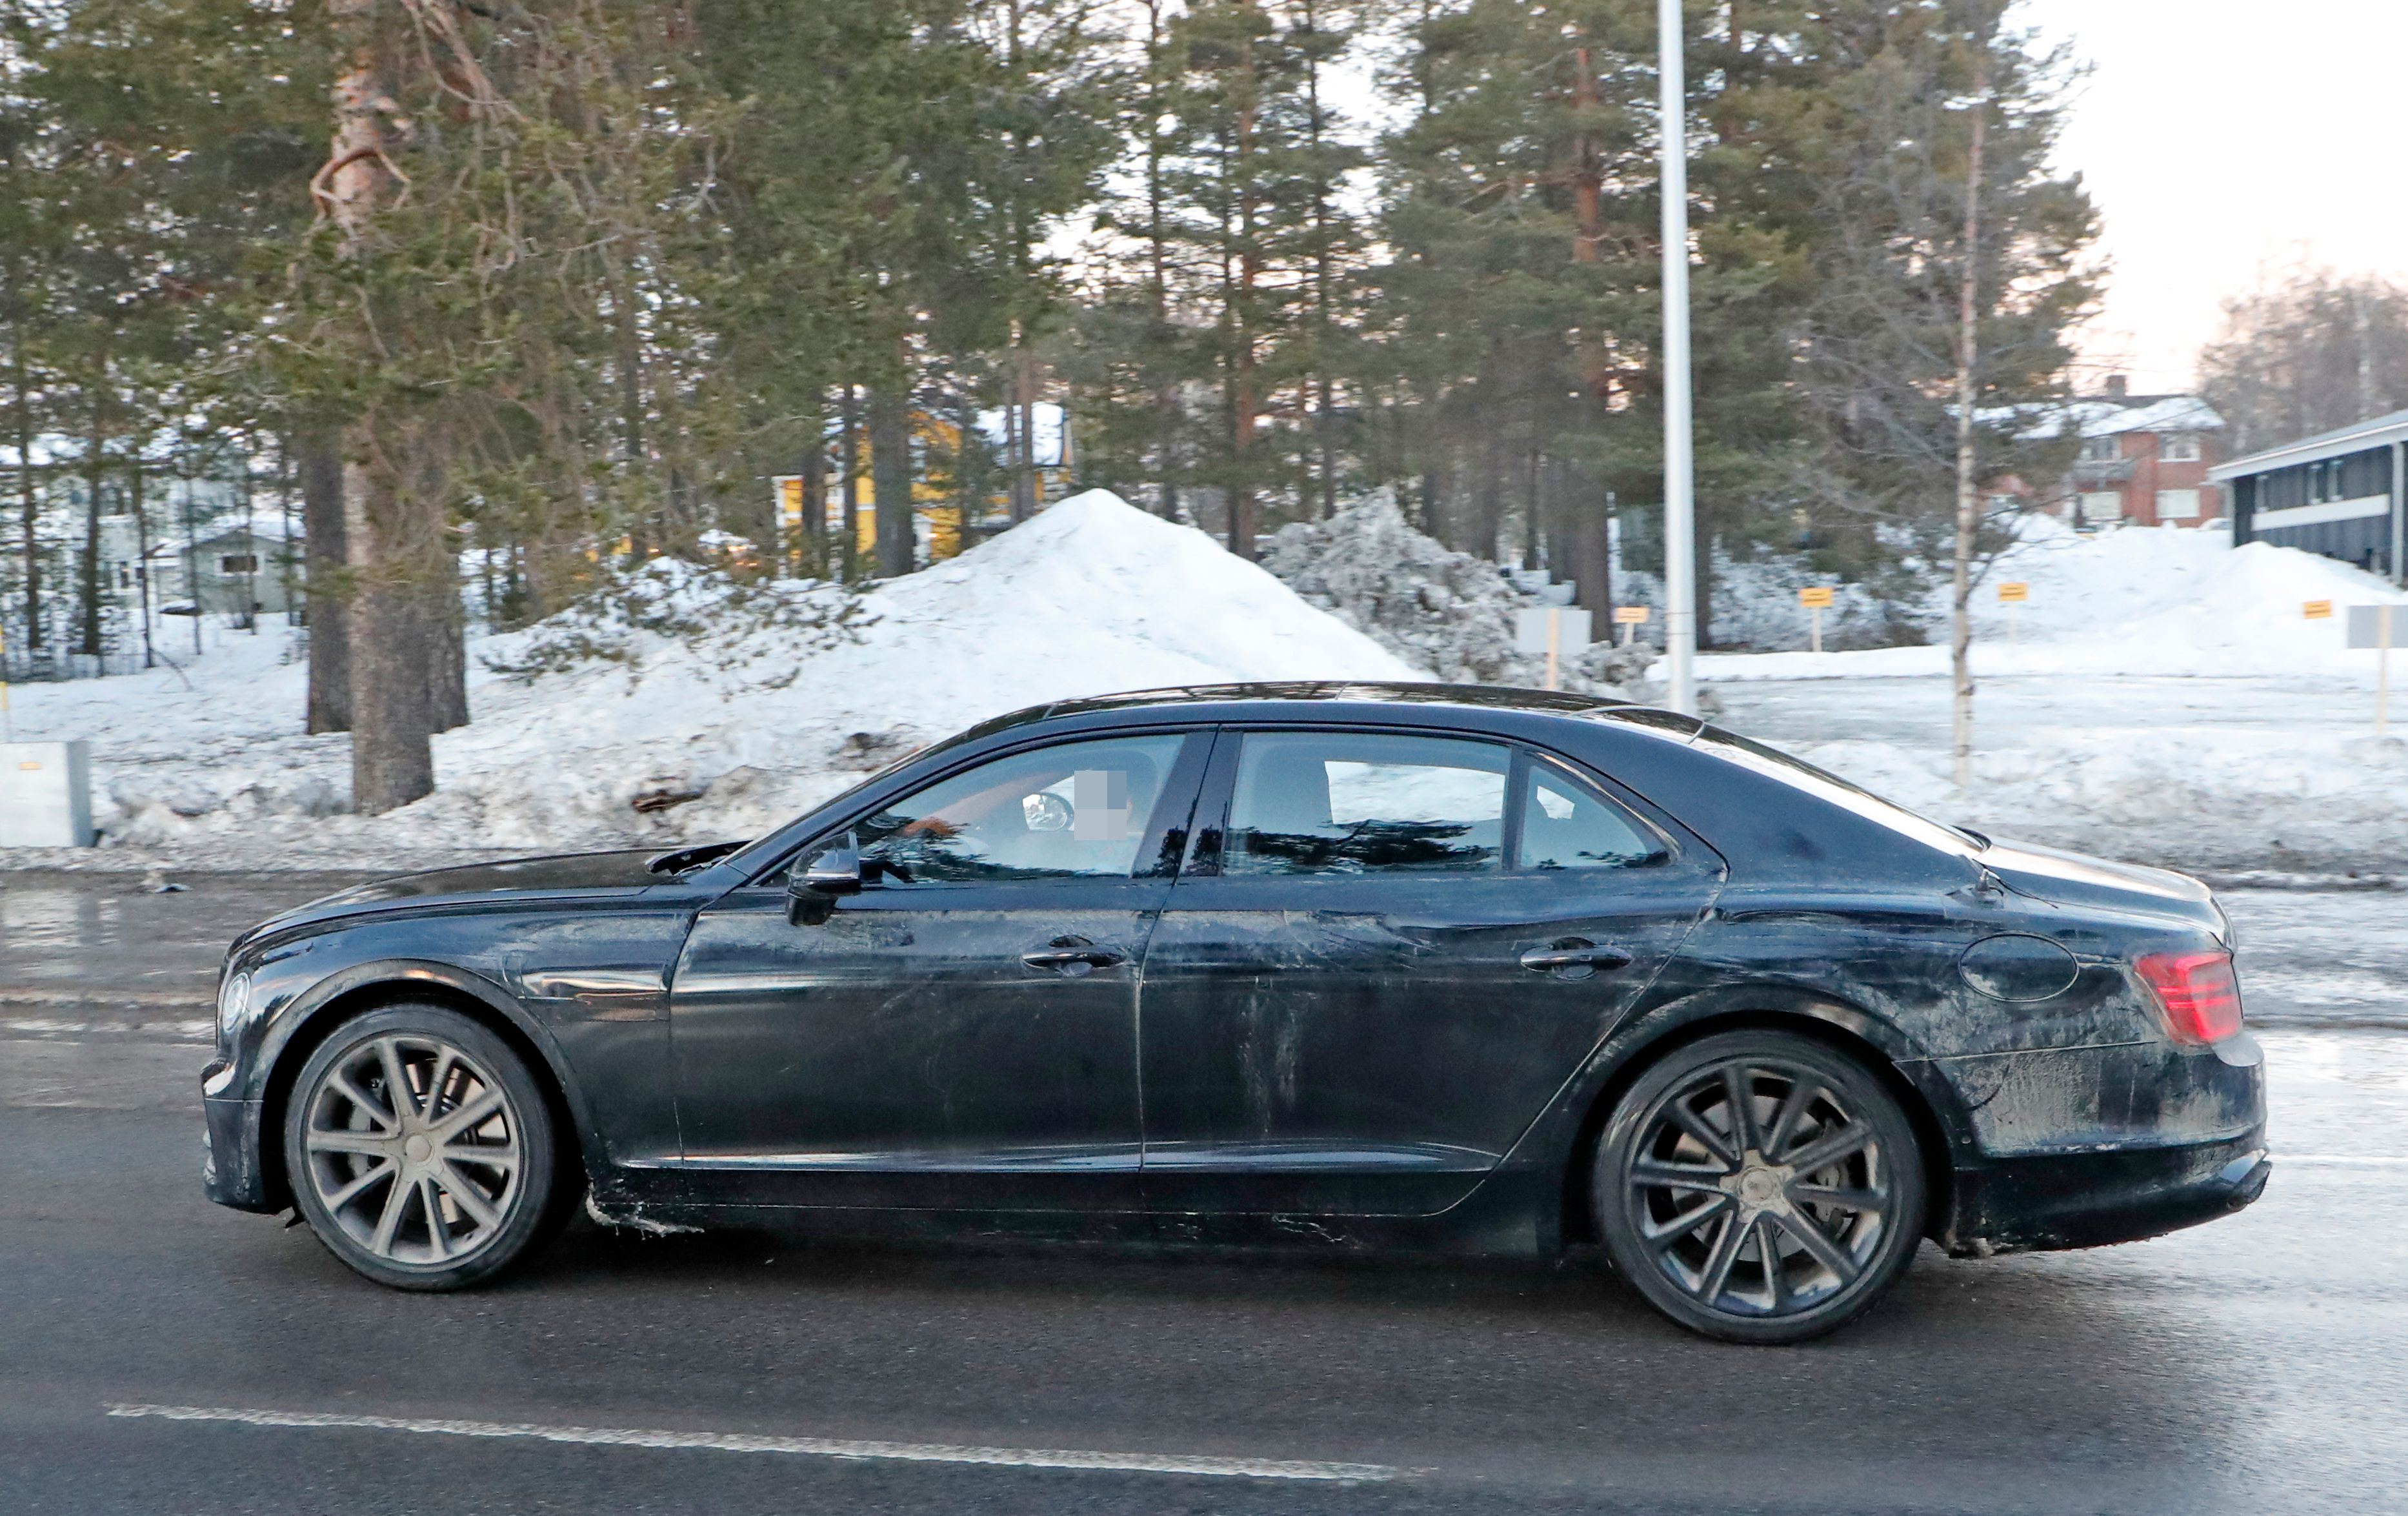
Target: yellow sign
[
  {"x": 1630, "y": 615},
  {"x": 2015, "y": 592},
  {"x": 1815, "y": 596},
  {"x": 2317, "y": 611}
]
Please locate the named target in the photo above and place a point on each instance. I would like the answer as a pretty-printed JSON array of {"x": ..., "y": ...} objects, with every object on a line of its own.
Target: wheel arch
[
  {"x": 1845, "y": 1029},
  {"x": 370, "y": 987}
]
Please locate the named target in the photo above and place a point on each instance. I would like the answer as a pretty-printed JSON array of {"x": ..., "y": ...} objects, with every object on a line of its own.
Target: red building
[{"x": 2145, "y": 460}]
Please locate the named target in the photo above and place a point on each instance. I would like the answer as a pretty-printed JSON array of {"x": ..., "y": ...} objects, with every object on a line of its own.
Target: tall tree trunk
[
  {"x": 141, "y": 514},
  {"x": 1592, "y": 561},
  {"x": 890, "y": 475},
  {"x": 447, "y": 666},
  {"x": 849, "y": 452},
  {"x": 88, "y": 588},
  {"x": 1961, "y": 600},
  {"x": 1325, "y": 400},
  {"x": 392, "y": 547},
  {"x": 1591, "y": 556},
  {"x": 393, "y": 763},
  {"x": 1021, "y": 416},
  {"x": 1244, "y": 513},
  {"x": 1165, "y": 397},
  {"x": 1488, "y": 504},
  {"x": 810, "y": 546},
  {"x": 29, "y": 502},
  {"x": 320, "y": 460}
]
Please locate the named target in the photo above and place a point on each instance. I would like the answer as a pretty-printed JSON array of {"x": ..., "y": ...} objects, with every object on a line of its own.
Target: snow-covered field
[{"x": 2163, "y": 698}]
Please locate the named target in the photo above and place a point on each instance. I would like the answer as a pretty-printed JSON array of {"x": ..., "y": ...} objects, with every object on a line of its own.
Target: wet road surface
[{"x": 2255, "y": 1364}]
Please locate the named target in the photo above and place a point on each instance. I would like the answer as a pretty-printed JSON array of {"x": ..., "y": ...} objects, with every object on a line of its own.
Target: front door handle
[
  {"x": 1575, "y": 958},
  {"x": 1073, "y": 955}
]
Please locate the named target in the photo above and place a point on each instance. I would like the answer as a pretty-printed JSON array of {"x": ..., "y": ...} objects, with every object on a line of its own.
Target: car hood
[
  {"x": 511, "y": 879},
  {"x": 2065, "y": 878}
]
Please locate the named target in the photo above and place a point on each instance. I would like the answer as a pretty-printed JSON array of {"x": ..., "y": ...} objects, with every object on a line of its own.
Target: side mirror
[{"x": 811, "y": 890}]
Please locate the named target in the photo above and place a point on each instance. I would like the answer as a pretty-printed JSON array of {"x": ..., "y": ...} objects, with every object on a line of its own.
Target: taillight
[{"x": 2198, "y": 992}]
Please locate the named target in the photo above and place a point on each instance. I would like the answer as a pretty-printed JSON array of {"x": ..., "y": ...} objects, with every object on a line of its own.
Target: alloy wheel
[
  {"x": 1758, "y": 1189},
  {"x": 415, "y": 1149}
]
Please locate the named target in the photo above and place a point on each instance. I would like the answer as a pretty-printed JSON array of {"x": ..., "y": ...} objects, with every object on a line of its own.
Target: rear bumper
[{"x": 2090, "y": 1200}]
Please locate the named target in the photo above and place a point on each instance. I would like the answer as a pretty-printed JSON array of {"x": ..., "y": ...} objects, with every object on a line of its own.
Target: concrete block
[{"x": 45, "y": 795}]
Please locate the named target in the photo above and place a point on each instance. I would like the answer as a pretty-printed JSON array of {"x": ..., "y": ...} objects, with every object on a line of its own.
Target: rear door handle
[
  {"x": 1073, "y": 955},
  {"x": 1574, "y": 955}
]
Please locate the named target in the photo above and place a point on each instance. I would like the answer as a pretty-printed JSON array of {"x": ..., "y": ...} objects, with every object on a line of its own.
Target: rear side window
[
  {"x": 1355, "y": 804},
  {"x": 1566, "y": 825}
]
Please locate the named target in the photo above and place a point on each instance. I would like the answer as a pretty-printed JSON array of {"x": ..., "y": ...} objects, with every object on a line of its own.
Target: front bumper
[{"x": 232, "y": 1173}]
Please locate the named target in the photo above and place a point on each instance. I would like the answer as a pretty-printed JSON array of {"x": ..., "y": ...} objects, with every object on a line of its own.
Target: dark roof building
[{"x": 2337, "y": 494}]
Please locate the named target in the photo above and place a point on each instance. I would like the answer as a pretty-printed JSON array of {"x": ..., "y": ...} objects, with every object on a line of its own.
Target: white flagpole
[{"x": 1680, "y": 483}]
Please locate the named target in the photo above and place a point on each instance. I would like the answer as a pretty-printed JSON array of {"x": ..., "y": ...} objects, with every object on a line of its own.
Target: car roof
[{"x": 1320, "y": 698}]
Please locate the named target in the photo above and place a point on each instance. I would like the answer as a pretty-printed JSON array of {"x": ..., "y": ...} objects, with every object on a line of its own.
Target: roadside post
[
  {"x": 2372, "y": 626},
  {"x": 2013, "y": 593},
  {"x": 1546, "y": 629},
  {"x": 1630, "y": 619},
  {"x": 46, "y": 795},
  {"x": 1816, "y": 598}
]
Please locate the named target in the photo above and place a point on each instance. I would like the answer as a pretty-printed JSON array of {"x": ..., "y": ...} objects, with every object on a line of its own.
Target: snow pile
[
  {"x": 2159, "y": 600},
  {"x": 1092, "y": 596},
  {"x": 1448, "y": 611}
]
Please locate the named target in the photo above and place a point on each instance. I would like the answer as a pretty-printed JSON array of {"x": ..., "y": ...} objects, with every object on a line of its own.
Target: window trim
[
  {"x": 1666, "y": 848},
  {"x": 1214, "y": 798}
]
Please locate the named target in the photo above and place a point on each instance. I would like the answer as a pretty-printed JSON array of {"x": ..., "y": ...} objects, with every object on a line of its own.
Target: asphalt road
[{"x": 158, "y": 1353}]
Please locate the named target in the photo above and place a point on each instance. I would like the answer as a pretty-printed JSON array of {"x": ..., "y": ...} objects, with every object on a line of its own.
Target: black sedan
[{"x": 1347, "y": 966}]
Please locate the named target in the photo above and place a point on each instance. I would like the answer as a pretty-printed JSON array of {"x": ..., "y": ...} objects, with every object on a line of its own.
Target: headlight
[{"x": 233, "y": 1003}]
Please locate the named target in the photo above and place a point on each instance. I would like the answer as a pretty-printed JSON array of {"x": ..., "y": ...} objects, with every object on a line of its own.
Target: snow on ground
[
  {"x": 2141, "y": 600},
  {"x": 2162, "y": 697},
  {"x": 2163, "y": 701},
  {"x": 1092, "y": 596}
]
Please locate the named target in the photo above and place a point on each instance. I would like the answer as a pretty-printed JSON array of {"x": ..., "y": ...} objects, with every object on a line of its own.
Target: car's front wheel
[
  {"x": 1759, "y": 1185},
  {"x": 421, "y": 1150}
]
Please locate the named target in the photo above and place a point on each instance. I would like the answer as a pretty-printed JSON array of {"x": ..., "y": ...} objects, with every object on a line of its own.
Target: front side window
[
  {"x": 2179, "y": 447},
  {"x": 1075, "y": 810},
  {"x": 1565, "y": 825},
  {"x": 1348, "y": 803},
  {"x": 2102, "y": 448}
]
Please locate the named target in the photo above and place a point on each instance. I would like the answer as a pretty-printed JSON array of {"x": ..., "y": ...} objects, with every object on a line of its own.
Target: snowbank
[{"x": 1090, "y": 598}]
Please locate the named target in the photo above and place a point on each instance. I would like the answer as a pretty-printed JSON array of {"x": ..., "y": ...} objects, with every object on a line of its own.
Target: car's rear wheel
[
  {"x": 421, "y": 1150},
  {"x": 1759, "y": 1185}
]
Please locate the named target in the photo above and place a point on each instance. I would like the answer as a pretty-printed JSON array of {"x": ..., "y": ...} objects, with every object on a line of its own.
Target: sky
[{"x": 2219, "y": 138}]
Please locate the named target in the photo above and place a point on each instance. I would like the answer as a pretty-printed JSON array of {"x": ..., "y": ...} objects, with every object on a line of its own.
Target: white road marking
[
  {"x": 912, "y": 1453},
  {"x": 2352, "y": 1161}
]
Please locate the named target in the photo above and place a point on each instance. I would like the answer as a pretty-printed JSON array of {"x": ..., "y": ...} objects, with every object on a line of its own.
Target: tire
[
  {"x": 1690, "y": 1210},
  {"x": 414, "y": 1198}
]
